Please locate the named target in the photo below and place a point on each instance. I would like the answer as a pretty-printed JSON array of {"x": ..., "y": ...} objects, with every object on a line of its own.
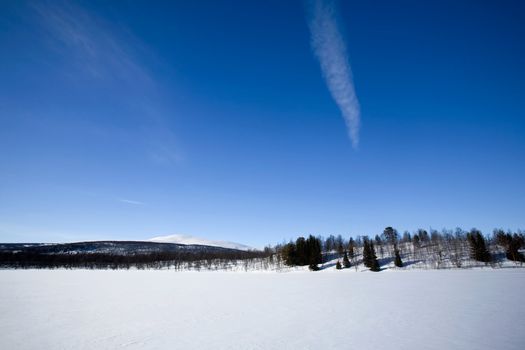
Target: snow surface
[
  {"x": 163, "y": 309},
  {"x": 187, "y": 239}
]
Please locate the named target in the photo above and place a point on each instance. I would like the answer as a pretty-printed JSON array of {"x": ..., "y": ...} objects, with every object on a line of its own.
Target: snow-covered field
[{"x": 152, "y": 309}]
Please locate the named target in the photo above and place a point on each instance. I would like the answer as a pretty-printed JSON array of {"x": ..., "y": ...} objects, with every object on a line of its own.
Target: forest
[
  {"x": 434, "y": 249},
  {"x": 420, "y": 249}
]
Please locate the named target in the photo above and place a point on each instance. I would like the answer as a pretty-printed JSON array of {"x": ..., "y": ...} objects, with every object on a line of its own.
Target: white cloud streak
[
  {"x": 129, "y": 201},
  {"x": 329, "y": 48}
]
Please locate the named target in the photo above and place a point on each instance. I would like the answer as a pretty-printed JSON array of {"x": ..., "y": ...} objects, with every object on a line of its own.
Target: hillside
[
  {"x": 192, "y": 240},
  {"x": 110, "y": 247}
]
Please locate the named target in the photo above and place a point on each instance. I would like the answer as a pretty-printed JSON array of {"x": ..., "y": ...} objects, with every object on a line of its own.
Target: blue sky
[{"x": 259, "y": 121}]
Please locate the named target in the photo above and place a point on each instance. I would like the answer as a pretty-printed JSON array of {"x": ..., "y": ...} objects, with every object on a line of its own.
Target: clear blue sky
[{"x": 133, "y": 119}]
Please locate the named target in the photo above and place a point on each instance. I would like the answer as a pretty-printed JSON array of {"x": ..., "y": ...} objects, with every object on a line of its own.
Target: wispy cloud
[
  {"x": 330, "y": 50},
  {"x": 87, "y": 41},
  {"x": 89, "y": 47},
  {"x": 102, "y": 196},
  {"x": 129, "y": 201}
]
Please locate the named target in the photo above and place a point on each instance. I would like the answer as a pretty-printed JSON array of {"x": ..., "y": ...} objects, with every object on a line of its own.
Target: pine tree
[
  {"x": 369, "y": 255},
  {"x": 351, "y": 248},
  {"x": 338, "y": 265},
  {"x": 314, "y": 255},
  {"x": 302, "y": 251},
  {"x": 339, "y": 245},
  {"x": 346, "y": 262},
  {"x": 366, "y": 252},
  {"x": 390, "y": 235},
  {"x": 397, "y": 260},
  {"x": 478, "y": 248},
  {"x": 288, "y": 253},
  {"x": 512, "y": 245},
  {"x": 374, "y": 264}
]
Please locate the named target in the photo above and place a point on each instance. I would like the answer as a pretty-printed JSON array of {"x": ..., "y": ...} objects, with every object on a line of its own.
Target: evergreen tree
[
  {"x": 416, "y": 241},
  {"x": 390, "y": 235},
  {"x": 366, "y": 252},
  {"x": 374, "y": 264},
  {"x": 302, "y": 251},
  {"x": 289, "y": 254},
  {"x": 313, "y": 245},
  {"x": 512, "y": 244},
  {"x": 423, "y": 236},
  {"x": 351, "y": 248},
  {"x": 397, "y": 260},
  {"x": 369, "y": 255},
  {"x": 338, "y": 265},
  {"x": 339, "y": 244},
  {"x": 346, "y": 262},
  {"x": 478, "y": 248}
]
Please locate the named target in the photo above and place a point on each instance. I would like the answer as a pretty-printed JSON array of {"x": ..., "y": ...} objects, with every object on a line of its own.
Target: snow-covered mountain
[{"x": 187, "y": 239}]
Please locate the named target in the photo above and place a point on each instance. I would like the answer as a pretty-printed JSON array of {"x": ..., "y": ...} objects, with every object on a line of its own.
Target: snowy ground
[{"x": 452, "y": 309}]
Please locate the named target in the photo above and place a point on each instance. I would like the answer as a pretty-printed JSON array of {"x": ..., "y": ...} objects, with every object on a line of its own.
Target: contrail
[{"x": 330, "y": 50}]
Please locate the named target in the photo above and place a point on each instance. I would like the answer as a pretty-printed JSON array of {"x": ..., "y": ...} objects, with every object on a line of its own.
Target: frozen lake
[{"x": 453, "y": 309}]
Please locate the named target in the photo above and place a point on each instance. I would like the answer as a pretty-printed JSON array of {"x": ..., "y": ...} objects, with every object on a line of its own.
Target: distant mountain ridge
[
  {"x": 111, "y": 247},
  {"x": 122, "y": 255},
  {"x": 192, "y": 240}
]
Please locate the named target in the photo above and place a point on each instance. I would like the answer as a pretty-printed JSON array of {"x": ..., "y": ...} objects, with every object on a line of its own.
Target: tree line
[
  {"x": 434, "y": 249},
  {"x": 150, "y": 260},
  {"x": 303, "y": 252},
  {"x": 422, "y": 248}
]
